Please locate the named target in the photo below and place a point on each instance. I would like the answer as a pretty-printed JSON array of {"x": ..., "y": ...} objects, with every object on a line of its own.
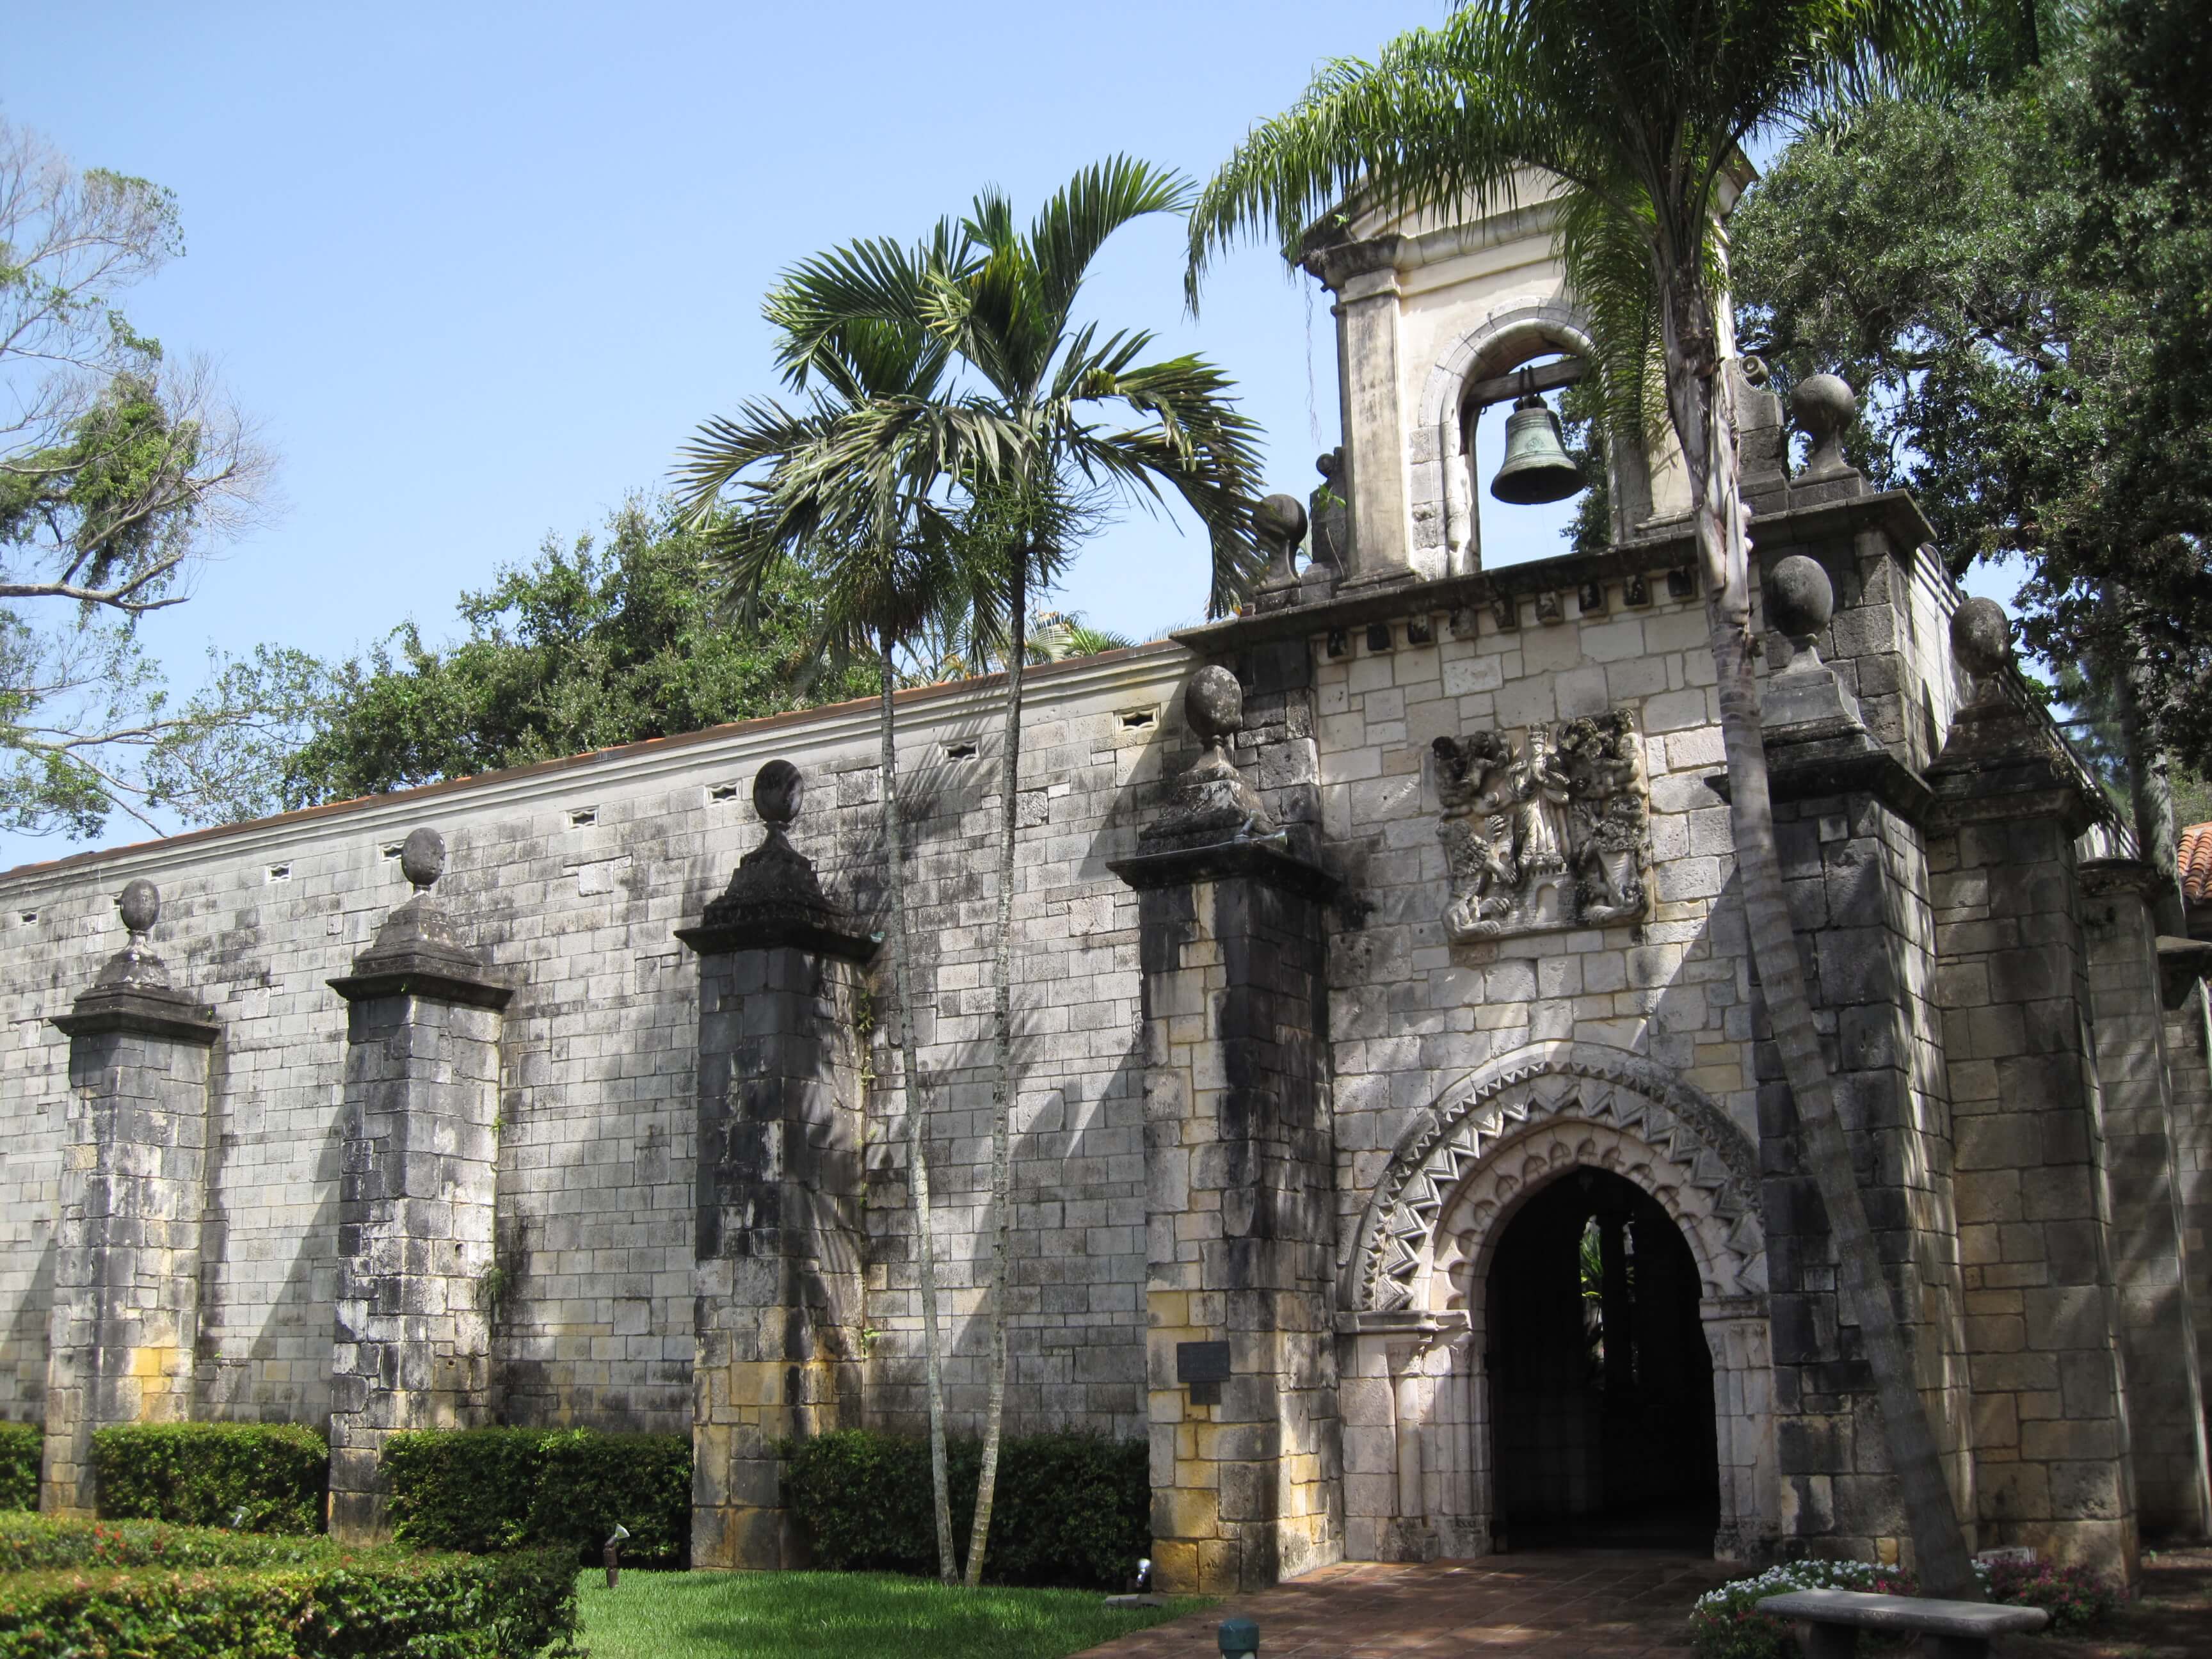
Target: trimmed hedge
[
  {"x": 21, "y": 1444},
  {"x": 1071, "y": 1509},
  {"x": 74, "y": 1588},
  {"x": 499, "y": 1489},
  {"x": 253, "y": 1477},
  {"x": 38, "y": 1543}
]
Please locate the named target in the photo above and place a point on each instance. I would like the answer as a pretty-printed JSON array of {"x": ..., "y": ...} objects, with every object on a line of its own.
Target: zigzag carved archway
[{"x": 1700, "y": 1150}]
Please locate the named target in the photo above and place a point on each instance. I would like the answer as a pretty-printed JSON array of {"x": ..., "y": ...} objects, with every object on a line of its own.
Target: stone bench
[{"x": 1952, "y": 1630}]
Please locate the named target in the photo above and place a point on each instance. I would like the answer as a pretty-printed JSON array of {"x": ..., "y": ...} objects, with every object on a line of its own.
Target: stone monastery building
[{"x": 1396, "y": 1144}]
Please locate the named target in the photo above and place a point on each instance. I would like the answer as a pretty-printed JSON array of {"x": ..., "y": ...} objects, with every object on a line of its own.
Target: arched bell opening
[
  {"x": 1496, "y": 397},
  {"x": 1602, "y": 1386}
]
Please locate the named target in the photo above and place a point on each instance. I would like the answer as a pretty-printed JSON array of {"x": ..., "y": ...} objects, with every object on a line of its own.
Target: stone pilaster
[
  {"x": 1365, "y": 278},
  {"x": 1246, "y": 1450},
  {"x": 2188, "y": 1055},
  {"x": 2158, "y": 1335},
  {"x": 2053, "y": 1458},
  {"x": 777, "y": 1273},
  {"x": 1847, "y": 824},
  {"x": 418, "y": 1273},
  {"x": 126, "y": 1314}
]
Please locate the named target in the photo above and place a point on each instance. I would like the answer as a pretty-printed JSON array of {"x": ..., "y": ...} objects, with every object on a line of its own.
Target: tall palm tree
[
  {"x": 1636, "y": 108},
  {"x": 1003, "y": 298},
  {"x": 853, "y": 486}
]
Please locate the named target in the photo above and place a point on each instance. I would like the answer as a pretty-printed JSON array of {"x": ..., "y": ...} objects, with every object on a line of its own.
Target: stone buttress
[
  {"x": 416, "y": 1289},
  {"x": 2136, "y": 1075},
  {"x": 777, "y": 1280},
  {"x": 1246, "y": 1459},
  {"x": 126, "y": 1314},
  {"x": 2052, "y": 1464},
  {"x": 1851, "y": 811}
]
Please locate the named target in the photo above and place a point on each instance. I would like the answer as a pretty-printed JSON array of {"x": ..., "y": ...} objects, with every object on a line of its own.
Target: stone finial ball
[
  {"x": 141, "y": 905},
  {"x": 1822, "y": 405},
  {"x": 777, "y": 788},
  {"x": 1278, "y": 519},
  {"x": 1981, "y": 637},
  {"x": 1328, "y": 463},
  {"x": 1799, "y": 598},
  {"x": 422, "y": 856},
  {"x": 1213, "y": 703}
]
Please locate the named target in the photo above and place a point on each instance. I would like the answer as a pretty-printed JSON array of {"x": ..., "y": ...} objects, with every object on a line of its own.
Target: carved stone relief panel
[{"x": 1550, "y": 832}]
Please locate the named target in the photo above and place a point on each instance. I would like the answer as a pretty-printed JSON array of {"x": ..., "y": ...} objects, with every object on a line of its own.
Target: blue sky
[{"x": 479, "y": 270}]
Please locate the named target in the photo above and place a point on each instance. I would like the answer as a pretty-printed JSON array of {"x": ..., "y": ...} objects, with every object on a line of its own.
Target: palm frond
[
  {"x": 1606, "y": 255},
  {"x": 1200, "y": 475},
  {"x": 1073, "y": 225},
  {"x": 1442, "y": 114}
]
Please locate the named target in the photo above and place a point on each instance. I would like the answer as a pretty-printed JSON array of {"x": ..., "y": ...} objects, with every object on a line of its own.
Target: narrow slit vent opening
[
  {"x": 28, "y": 917},
  {"x": 960, "y": 751},
  {"x": 583, "y": 818},
  {"x": 392, "y": 853},
  {"x": 280, "y": 873},
  {"x": 1136, "y": 720},
  {"x": 723, "y": 792}
]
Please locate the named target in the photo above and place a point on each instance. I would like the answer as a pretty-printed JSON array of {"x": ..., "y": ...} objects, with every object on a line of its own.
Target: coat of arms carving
[{"x": 1549, "y": 833}]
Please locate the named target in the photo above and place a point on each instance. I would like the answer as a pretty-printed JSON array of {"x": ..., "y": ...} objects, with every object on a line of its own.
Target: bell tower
[{"x": 1445, "y": 318}]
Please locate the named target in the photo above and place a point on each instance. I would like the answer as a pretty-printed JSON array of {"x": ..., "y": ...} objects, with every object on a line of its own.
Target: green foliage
[
  {"x": 118, "y": 467},
  {"x": 501, "y": 1489},
  {"x": 70, "y": 1588},
  {"x": 586, "y": 647},
  {"x": 2077, "y": 1598},
  {"x": 1581, "y": 424},
  {"x": 20, "y": 1447},
  {"x": 257, "y": 1477},
  {"x": 38, "y": 1543},
  {"x": 1071, "y": 1509},
  {"x": 2014, "y": 277},
  {"x": 840, "y": 1615}
]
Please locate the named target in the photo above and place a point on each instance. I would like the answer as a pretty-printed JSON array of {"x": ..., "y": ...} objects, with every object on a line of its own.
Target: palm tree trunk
[
  {"x": 1002, "y": 1069},
  {"x": 909, "y": 1067},
  {"x": 1700, "y": 402}
]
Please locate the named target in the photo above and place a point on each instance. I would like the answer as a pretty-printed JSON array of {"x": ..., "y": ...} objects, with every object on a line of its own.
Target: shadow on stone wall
[{"x": 24, "y": 1340}]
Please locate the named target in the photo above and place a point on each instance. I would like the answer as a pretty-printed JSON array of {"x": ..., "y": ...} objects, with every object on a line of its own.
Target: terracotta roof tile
[{"x": 2196, "y": 863}]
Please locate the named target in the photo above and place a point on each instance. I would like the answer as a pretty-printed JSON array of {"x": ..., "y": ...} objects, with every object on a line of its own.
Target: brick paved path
[{"x": 1560, "y": 1604}]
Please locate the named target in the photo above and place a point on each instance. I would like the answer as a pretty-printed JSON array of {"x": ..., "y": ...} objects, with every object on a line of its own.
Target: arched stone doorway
[
  {"x": 1420, "y": 1403},
  {"x": 1602, "y": 1384}
]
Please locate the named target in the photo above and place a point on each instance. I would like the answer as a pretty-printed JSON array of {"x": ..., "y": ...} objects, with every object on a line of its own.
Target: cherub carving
[{"x": 1479, "y": 794}]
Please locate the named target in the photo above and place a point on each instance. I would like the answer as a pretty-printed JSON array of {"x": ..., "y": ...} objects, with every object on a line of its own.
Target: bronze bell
[{"x": 1537, "y": 468}]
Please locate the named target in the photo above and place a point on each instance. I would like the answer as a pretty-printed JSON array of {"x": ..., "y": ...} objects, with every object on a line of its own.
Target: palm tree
[
  {"x": 1003, "y": 298},
  {"x": 1637, "y": 108},
  {"x": 853, "y": 486}
]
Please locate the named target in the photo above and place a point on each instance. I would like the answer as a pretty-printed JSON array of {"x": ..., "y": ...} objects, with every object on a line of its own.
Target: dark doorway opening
[{"x": 1602, "y": 1386}]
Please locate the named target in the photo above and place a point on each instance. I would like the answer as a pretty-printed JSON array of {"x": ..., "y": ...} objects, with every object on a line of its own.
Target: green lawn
[{"x": 739, "y": 1615}]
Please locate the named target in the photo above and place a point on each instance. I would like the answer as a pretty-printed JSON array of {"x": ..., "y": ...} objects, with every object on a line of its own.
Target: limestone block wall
[
  {"x": 2053, "y": 1454},
  {"x": 574, "y": 877},
  {"x": 2189, "y": 1052},
  {"x": 2165, "y": 1407},
  {"x": 1411, "y": 1013}
]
